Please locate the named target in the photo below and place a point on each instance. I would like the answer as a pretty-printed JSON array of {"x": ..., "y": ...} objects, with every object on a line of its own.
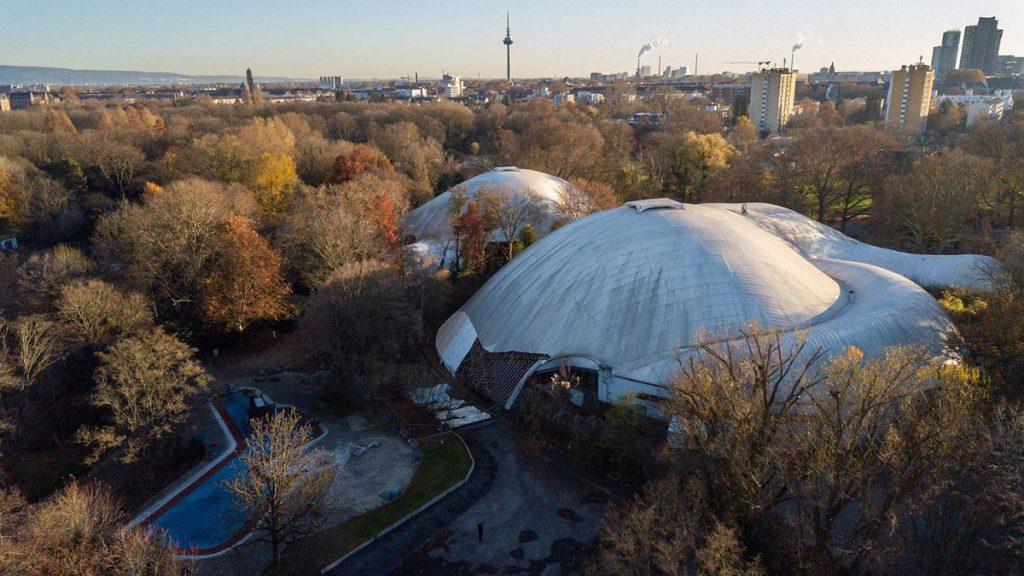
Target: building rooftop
[{"x": 636, "y": 287}]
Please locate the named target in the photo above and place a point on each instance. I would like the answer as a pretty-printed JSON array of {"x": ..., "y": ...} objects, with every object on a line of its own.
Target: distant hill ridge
[{"x": 71, "y": 77}]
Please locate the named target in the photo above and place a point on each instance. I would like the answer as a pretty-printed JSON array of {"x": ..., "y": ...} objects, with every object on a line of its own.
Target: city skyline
[{"x": 392, "y": 38}]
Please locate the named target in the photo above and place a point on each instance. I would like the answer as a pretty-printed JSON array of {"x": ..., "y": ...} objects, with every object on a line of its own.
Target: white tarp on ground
[{"x": 451, "y": 411}]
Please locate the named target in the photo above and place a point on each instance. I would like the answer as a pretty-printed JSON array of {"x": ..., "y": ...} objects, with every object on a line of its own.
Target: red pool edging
[
  {"x": 236, "y": 434},
  {"x": 239, "y": 446}
]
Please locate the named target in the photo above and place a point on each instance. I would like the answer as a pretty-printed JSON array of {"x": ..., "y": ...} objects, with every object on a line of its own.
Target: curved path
[
  {"x": 540, "y": 512},
  {"x": 387, "y": 552}
]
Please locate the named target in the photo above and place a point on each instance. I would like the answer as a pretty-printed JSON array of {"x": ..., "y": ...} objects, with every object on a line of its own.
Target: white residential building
[
  {"x": 991, "y": 108},
  {"x": 971, "y": 98},
  {"x": 454, "y": 87}
]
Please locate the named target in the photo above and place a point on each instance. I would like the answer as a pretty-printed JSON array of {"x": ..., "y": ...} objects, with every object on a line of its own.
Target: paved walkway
[
  {"x": 384, "y": 555},
  {"x": 540, "y": 514}
]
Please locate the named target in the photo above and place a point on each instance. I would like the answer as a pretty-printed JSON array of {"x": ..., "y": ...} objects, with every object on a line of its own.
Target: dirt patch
[
  {"x": 569, "y": 514},
  {"x": 569, "y": 554}
]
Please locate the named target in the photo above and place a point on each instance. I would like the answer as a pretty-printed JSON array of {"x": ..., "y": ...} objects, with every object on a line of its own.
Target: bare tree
[
  {"x": 839, "y": 451},
  {"x": 362, "y": 313},
  {"x": 116, "y": 161},
  {"x": 668, "y": 530},
  {"x": 724, "y": 555},
  {"x": 95, "y": 312},
  {"x": 41, "y": 277},
  {"x": 938, "y": 205},
  {"x": 653, "y": 535},
  {"x": 581, "y": 197},
  {"x": 13, "y": 509},
  {"x": 165, "y": 246},
  {"x": 148, "y": 383},
  {"x": 734, "y": 401},
  {"x": 420, "y": 157},
  {"x": 325, "y": 229},
  {"x": 837, "y": 168},
  {"x": 878, "y": 439},
  {"x": 286, "y": 488},
  {"x": 509, "y": 211},
  {"x": 28, "y": 346},
  {"x": 81, "y": 530}
]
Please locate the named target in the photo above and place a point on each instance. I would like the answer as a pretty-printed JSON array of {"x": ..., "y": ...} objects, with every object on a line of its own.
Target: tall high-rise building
[
  {"x": 981, "y": 45},
  {"x": 251, "y": 93},
  {"x": 944, "y": 55},
  {"x": 508, "y": 49},
  {"x": 1009, "y": 65},
  {"x": 772, "y": 92},
  {"x": 909, "y": 99}
]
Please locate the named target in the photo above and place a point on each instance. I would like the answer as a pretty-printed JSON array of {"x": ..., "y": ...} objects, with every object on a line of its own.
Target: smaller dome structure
[{"x": 430, "y": 222}]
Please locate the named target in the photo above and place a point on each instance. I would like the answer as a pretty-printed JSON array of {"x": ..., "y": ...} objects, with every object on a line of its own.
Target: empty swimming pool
[{"x": 202, "y": 518}]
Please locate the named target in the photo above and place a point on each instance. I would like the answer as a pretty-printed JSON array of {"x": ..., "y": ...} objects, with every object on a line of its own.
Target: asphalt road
[{"x": 539, "y": 514}]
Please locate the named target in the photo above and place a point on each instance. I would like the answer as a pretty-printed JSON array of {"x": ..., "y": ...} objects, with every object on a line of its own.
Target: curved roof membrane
[
  {"x": 635, "y": 287},
  {"x": 430, "y": 221},
  {"x": 816, "y": 240},
  {"x": 627, "y": 285}
]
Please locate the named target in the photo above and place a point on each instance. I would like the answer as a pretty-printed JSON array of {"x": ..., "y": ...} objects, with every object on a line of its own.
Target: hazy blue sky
[{"x": 388, "y": 38}]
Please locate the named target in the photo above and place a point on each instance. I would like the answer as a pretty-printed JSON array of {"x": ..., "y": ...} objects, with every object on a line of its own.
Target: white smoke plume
[
  {"x": 656, "y": 42},
  {"x": 800, "y": 39}
]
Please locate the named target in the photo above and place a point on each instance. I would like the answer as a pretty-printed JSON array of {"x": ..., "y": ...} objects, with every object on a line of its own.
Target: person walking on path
[{"x": 480, "y": 531}]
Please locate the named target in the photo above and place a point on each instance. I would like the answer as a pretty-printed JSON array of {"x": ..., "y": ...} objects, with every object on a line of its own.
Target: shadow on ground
[{"x": 539, "y": 516}]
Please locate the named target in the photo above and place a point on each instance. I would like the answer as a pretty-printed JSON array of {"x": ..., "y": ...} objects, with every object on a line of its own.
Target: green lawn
[{"x": 441, "y": 466}]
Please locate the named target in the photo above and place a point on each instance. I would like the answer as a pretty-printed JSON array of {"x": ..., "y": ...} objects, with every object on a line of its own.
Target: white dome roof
[
  {"x": 430, "y": 221},
  {"x": 626, "y": 285},
  {"x": 819, "y": 241},
  {"x": 633, "y": 288}
]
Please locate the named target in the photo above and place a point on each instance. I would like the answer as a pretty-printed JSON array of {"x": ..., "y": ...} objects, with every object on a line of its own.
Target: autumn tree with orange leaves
[
  {"x": 245, "y": 284},
  {"x": 362, "y": 159},
  {"x": 471, "y": 228},
  {"x": 385, "y": 218},
  {"x": 10, "y": 202}
]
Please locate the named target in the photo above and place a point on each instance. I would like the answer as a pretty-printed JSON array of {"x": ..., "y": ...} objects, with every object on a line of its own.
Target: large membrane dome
[
  {"x": 629, "y": 283},
  {"x": 628, "y": 292}
]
